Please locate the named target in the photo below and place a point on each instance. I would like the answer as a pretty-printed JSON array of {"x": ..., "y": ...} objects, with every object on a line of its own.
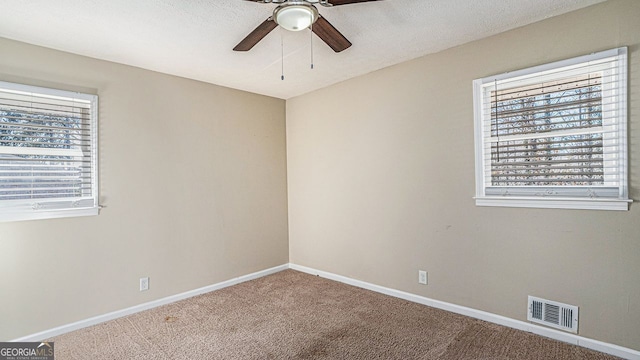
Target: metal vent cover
[{"x": 554, "y": 314}]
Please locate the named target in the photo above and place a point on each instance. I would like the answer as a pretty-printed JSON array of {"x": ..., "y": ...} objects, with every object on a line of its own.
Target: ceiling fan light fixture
[{"x": 295, "y": 17}]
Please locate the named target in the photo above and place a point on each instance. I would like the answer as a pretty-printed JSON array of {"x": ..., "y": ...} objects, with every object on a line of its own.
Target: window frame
[
  {"x": 560, "y": 197},
  {"x": 37, "y": 209}
]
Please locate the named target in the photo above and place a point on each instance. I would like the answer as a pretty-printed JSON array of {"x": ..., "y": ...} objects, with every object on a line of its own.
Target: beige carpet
[{"x": 292, "y": 315}]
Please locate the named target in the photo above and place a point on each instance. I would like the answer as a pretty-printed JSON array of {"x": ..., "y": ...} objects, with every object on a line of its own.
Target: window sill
[
  {"x": 554, "y": 203},
  {"x": 8, "y": 216}
]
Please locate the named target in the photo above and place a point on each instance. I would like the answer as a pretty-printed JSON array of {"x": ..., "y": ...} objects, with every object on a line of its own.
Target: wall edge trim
[
  {"x": 592, "y": 344},
  {"x": 63, "y": 329}
]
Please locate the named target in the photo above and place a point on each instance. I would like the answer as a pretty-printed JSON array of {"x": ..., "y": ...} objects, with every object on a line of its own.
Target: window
[
  {"x": 554, "y": 136},
  {"x": 48, "y": 153}
]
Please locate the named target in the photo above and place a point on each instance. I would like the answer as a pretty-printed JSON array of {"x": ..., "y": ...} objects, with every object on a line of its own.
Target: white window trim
[
  {"x": 540, "y": 200},
  {"x": 19, "y": 210}
]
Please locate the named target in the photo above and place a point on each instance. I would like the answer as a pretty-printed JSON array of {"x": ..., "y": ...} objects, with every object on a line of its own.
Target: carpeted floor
[{"x": 292, "y": 315}]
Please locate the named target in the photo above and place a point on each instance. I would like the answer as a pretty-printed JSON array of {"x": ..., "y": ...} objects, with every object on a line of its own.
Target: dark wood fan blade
[
  {"x": 345, "y": 2},
  {"x": 256, "y": 35},
  {"x": 330, "y": 35}
]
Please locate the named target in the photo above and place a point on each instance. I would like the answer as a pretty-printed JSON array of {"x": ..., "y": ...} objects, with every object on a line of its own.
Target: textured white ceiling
[{"x": 194, "y": 38}]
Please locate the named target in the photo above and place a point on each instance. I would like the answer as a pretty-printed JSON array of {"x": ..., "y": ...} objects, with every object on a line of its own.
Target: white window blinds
[
  {"x": 48, "y": 153},
  {"x": 554, "y": 135}
]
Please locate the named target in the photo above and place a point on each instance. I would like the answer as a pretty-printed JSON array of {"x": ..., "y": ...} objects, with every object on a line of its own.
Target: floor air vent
[{"x": 554, "y": 314}]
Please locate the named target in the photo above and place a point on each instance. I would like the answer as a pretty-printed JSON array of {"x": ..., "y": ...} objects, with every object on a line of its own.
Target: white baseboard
[
  {"x": 478, "y": 314},
  {"x": 146, "y": 306},
  {"x": 482, "y": 315}
]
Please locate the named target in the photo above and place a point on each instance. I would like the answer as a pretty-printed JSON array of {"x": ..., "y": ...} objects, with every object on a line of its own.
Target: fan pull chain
[
  {"x": 311, "y": 40},
  {"x": 282, "y": 56}
]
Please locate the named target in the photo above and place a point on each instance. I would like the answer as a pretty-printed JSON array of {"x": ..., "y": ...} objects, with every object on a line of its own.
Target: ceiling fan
[{"x": 296, "y": 15}]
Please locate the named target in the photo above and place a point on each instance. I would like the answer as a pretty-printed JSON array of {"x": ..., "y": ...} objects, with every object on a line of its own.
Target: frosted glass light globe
[{"x": 296, "y": 17}]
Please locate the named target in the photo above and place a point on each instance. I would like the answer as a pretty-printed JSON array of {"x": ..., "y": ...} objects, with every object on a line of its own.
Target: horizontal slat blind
[
  {"x": 556, "y": 129},
  {"x": 47, "y": 148},
  {"x": 554, "y": 135}
]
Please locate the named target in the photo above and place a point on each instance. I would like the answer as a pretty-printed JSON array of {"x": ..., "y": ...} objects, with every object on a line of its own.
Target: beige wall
[
  {"x": 381, "y": 180},
  {"x": 193, "y": 177}
]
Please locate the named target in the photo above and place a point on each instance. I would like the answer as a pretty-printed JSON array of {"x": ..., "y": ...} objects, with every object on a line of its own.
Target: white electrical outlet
[
  {"x": 144, "y": 284},
  {"x": 422, "y": 277}
]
